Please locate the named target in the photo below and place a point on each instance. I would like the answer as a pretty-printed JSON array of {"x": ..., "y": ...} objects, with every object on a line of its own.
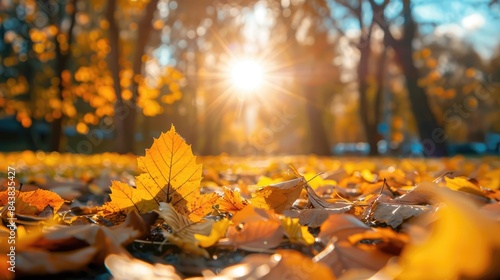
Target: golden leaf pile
[{"x": 348, "y": 218}]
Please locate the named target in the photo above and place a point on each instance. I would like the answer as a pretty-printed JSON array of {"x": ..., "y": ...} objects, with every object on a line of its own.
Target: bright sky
[{"x": 471, "y": 20}]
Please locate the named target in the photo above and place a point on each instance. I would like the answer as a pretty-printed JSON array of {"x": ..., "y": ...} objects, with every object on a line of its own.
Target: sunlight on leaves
[{"x": 460, "y": 230}]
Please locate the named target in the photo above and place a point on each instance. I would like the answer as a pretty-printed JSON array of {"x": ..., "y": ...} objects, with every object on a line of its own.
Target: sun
[{"x": 246, "y": 75}]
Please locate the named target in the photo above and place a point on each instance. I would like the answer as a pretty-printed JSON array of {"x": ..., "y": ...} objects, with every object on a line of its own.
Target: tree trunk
[
  {"x": 431, "y": 133},
  {"x": 126, "y": 111},
  {"x": 427, "y": 124},
  {"x": 368, "y": 121},
  {"x": 377, "y": 106},
  {"x": 56, "y": 132},
  {"x": 122, "y": 110}
]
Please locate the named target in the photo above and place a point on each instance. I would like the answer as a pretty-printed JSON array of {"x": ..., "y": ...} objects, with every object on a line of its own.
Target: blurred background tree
[{"x": 340, "y": 76}]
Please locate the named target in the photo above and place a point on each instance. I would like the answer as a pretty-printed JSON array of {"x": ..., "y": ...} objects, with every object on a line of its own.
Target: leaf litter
[{"x": 173, "y": 216}]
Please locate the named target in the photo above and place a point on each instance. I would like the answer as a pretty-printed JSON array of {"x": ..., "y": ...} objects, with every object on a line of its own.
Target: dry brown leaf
[
  {"x": 72, "y": 248},
  {"x": 255, "y": 229},
  {"x": 395, "y": 214},
  {"x": 320, "y": 203},
  {"x": 312, "y": 217},
  {"x": 341, "y": 226},
  {"x": 278, "y": 197}
]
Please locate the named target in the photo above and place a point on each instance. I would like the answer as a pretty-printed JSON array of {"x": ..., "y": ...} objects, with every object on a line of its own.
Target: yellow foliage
[
  {"x": 295, "y": 232},
  {"x": 462, "y": 242},
  {"x": 219, "y": 230},
  {"x": 460, "y": 182}
]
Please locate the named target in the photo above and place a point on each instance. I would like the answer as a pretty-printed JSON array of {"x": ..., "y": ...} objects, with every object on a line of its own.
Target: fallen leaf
[
  {"x": 124, "y": 267},
  {"x": 200, "y": 205},
  {"x": 491, "y": 180},
  {"x": 171, "y": 175},
  {"x": 255, "y": 229},
  {"x": 340, "y": 226},
  {"x": 460, "y": 182},
  {"x": 181, "y": 226},
  {"x": 38, "y": 198},
  {"x": 128, "y": 198},
  {"x": 320, "y": 203},
  {"x": 312, "y": 217},
  {"x": 186, "y": 246},
  {"x": 395, "y": 214},
  {"x": 219, "y": 230},
  {"x": 316, "y": 181},
  {"x": 460, "y": 230},
  {"x": 169, "y": 167},
  {"x": 231, "y": 201},
  {"x": 278, "y": 197},
  {"x": 284, "y": 264},
  {"x": 295, "y": 232},
  {"x": 72, "y": 248},
  {"x": 342, "y": 256}
]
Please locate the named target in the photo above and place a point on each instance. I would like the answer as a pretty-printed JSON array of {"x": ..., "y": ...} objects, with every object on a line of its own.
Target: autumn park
[{"x": 264, "y": 139}]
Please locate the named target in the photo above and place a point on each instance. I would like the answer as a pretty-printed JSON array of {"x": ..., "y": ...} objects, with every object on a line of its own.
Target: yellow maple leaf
[
  {"x": 278, "y": 197},
  {"x": 219, "y": 230},
  {"x": 171, "y": 175},
  {"x": 295, "y": 232},
  {"x": 198, "y": 206},
  {"x": 125, "y": 197},
  {"x": 171, "y": 171}
]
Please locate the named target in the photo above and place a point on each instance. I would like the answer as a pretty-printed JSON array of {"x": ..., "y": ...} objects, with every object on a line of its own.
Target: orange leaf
[
  {"x": 199, "y": 206},
  {"x": 232, "y": 201},
  {"x": 255, "y": 229},
  {"x": 38, "y": 198},
  {"x": 280, "y": 196}
]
